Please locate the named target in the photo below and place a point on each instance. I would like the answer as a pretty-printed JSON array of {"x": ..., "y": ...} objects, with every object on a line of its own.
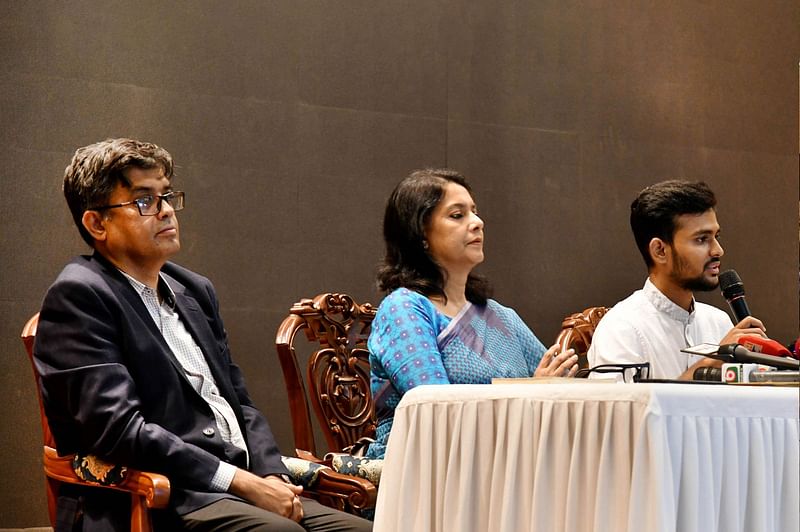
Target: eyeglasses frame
[
  {"x": 641, "y": 368},
  {"x": 161, "y": 198}
]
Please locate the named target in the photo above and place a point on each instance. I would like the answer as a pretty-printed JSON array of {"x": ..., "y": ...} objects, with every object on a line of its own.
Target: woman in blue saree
[{"x": 438, "y": 325}]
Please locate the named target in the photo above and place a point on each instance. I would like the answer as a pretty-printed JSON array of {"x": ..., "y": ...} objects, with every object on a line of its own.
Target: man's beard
[{"x": 698, "y": 283}]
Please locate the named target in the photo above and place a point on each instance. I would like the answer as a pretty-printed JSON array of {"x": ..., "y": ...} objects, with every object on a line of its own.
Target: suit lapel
[
  {"x": 196, "y": 323},
  {"x": 121, "y": 286}
]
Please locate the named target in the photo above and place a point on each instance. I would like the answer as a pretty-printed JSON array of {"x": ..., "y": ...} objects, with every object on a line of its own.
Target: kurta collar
[{"x": 665, "y": 305}]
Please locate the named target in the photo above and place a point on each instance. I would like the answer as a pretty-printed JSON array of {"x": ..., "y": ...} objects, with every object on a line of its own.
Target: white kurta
[{"x": 649, "y": 327}]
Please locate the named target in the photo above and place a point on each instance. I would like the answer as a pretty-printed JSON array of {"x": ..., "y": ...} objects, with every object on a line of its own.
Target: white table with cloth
[{"x": 588, "y": 456}]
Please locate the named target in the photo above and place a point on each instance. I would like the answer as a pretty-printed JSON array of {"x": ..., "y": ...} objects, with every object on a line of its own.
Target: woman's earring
[{"x": 424, "y": 244}]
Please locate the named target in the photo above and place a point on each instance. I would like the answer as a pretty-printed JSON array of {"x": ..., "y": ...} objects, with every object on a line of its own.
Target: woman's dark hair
[{"x": 407, "y": 263}]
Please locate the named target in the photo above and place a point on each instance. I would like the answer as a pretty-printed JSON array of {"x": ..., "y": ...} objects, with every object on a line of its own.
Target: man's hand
[
  {"x": 748, "y": 326},
  {"x": 557, "y": 365},
  {"x": 270, "y": 493}
]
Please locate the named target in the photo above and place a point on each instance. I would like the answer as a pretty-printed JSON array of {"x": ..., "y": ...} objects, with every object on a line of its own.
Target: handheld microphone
[
  {"x": 733, "y": 291},
  {"x": 739, "y": 353}
]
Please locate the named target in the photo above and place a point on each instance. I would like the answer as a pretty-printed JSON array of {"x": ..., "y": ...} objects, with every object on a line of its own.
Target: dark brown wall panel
[{"x": 290, "y": 123}]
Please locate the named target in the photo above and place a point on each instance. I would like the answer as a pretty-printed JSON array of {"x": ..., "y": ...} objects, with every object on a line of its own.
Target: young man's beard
[{"x": 698, "y": 283}]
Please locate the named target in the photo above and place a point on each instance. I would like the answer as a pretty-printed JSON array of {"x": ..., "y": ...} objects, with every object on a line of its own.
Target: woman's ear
[
  {"x": 94, "y": 223},
  {"x": 658, "y": 251}
]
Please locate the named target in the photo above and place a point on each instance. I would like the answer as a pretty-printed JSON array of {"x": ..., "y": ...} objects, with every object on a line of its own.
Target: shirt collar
[
  {"x": 664, "y": 304},
  {"x": 164, "y": 290}
]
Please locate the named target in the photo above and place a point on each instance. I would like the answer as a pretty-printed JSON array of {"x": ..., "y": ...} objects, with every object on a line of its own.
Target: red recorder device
[{"x": 765, "y": 346}]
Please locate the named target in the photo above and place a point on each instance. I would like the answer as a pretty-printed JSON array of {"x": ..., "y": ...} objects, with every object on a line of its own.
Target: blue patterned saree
[{"x": 412, "y": 343}]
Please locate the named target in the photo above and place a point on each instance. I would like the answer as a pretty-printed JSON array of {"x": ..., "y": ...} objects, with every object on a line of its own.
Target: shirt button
[{"x": 208, "y": 431}]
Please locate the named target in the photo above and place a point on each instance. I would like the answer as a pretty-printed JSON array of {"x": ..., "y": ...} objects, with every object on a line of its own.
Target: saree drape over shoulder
[{"x": 412, "y": 343}]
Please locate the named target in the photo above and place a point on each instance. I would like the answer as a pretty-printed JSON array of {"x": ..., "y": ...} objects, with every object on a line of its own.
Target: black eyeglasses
[
  {"x": 150, "y": 205},
  {"x": 634, "y": 372}
]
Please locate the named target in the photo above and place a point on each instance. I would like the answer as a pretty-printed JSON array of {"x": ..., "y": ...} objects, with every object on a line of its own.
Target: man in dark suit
[{"x": 136, "y": 369}]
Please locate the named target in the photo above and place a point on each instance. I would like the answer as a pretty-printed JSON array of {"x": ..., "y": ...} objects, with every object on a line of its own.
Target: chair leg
[
  {"x": 140, "y": 516},
  {"x": 52, "y": 498}
]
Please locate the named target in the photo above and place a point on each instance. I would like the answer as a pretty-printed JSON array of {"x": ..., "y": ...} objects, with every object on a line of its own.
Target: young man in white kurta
[
  {"x": 675, "y": 227},
  {"x": 648, "y": 327}
]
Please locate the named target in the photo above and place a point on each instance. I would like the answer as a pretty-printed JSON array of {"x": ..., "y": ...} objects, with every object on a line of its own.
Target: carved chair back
[
  {"x": 28, "y": 337},
  {"x": 577, "y": 331},
  {"x": 337, "y": 371}
]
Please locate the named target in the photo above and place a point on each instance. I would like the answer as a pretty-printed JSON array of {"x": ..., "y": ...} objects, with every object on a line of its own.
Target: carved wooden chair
[
  {"x": 336, "y": 383},
  {"x": 147, "y": 490},
  {"x": 577, "y": 330}
]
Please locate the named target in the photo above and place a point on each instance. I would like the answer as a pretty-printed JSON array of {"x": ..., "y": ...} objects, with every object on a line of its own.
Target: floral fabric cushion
[
  {"x": 368, "y": 468},
  {"x": 302, "y": 472},
  {"x": 93, "y": 469}
]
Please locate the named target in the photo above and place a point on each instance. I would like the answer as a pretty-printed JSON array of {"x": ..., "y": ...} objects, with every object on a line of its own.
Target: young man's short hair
[{"x": 655, "y": 210}]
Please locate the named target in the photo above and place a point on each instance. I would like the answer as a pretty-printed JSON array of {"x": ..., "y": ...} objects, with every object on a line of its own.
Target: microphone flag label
[
  {"x": 732, "y": 372},
  {"x": 740, "y": 372}
]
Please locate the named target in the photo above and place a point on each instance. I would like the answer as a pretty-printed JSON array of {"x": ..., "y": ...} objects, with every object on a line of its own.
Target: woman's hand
[{"x": 554, "y": 364}]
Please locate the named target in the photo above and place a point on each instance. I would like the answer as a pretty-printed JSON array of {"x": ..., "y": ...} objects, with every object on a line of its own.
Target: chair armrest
[
  {"x": 152, "y": 486},
  {"x": 359, "y": 493},
  {"x": 338, "y": 490},
  {"x": 310, "y": 457}
]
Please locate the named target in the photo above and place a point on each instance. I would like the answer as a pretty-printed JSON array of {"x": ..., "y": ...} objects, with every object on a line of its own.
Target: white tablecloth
[{"x": 593, "y": 457}]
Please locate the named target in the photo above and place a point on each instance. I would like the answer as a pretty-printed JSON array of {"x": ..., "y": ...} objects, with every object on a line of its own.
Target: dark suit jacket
[{"x": 112, "y": 387}]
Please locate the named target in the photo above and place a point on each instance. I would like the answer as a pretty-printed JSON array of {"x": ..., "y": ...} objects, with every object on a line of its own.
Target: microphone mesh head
[{"x": 731, "y": 284}]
